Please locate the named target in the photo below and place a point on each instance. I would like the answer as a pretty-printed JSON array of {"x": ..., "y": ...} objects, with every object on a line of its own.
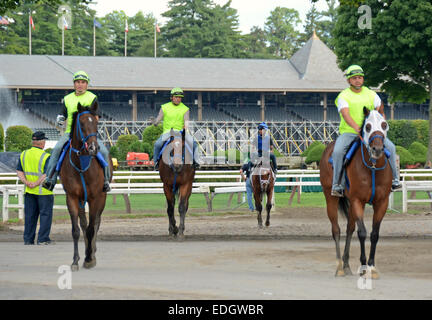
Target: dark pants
[{"x": 35, "y": 206}]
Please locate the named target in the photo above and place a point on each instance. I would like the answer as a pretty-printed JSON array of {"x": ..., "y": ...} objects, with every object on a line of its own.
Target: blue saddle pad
[{"x": 84, "y": 160}]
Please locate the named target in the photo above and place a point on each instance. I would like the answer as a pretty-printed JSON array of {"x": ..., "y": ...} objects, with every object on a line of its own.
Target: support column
[
  {"x": 325, "y": 106},
  {"x": 392, "y": 105},
  {"x": 134, "y": 106},
  {"x": 199, "y": 106},
  {"x": 262, "y": 107}
]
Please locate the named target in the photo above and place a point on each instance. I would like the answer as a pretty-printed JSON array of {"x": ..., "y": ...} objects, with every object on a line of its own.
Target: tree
[
  {"x": 281, "y": 32},
  {"x": 256, "y": 44},
  {"x": 199, "y": 28},
  {"x": 14, "y": 4},
  {"x": 396, "y": 53}
]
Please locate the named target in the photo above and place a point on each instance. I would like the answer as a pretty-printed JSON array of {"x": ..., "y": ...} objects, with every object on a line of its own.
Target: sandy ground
[{"x": 224, "y": 257}]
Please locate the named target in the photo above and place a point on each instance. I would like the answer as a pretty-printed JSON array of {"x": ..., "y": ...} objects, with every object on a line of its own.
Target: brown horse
[
  {"x": 370, "y": 179},
  {"x": 262, "y": 183},
  {"x": 83, "y": 182},
  {"x": 177, "y": 174}
]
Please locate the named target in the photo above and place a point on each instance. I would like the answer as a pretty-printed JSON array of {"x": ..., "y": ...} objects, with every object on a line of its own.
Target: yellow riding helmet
[
  {"x": 81, "y": 75},
  {"x": 177, "y": 92},
  {"x": 354, "y": 70}
]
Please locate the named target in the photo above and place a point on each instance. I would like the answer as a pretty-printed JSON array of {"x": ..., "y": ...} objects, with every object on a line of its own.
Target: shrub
[
  {"x": 405, "y": 157},
  {"x": 311, "y": 146},
  {"x": 402, "y": 132},
  {"x": 151, "y": 134},
  {"x": 114, "y": 152},
  {"x": 315, "y": 154},
  {"x": 422, "y": 127},
  {"x": 136, "y": 146},
  {"x": 1, "y": 138},
  {"x": 18, "y": 138},
  {"x": 124, "y": 143},
  {"x": 148, "y": 148},
  {"x": 418, "y": 151}
]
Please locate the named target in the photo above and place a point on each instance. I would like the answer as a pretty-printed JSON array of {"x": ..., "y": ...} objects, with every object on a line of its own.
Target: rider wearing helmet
[
  {"x": 85, "y": 98},
  {"x": 264, "y": 143},
  {"x": 350, "y": 103},
  {"x": 175, "y": 115}
]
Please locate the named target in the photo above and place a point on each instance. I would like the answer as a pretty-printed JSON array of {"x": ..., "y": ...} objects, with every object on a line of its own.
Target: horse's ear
[
  {"x": 366, "y": 111},
  {"x": 80, "y": 108},
  {"x": 94, "y": 107}
]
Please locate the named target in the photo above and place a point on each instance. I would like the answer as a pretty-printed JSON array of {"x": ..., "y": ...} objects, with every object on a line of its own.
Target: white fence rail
[{"x": 132, "y": 182}]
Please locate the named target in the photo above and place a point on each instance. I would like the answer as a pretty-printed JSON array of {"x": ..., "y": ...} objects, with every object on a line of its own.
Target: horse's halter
[{"x": 83, "y": 138}]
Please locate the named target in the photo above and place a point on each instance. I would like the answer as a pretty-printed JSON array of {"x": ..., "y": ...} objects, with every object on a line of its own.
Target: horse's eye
[
  {"x": 368, "y": 127},
  {"x": 384, "y": 125}
]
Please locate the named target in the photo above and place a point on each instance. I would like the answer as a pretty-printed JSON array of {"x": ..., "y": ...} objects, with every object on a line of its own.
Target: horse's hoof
[
  {"x": 268, "y": 224},
  {"x": 181, "y": 237},
  {"x": 260, "y": 226},
  {"x": 340, "y": 273},
  {"x": 347, "y": 271},
  {"x": 90, "y": 264},
  {"x": 74, "y": 267},
  {"x": 374, "y": 273}
]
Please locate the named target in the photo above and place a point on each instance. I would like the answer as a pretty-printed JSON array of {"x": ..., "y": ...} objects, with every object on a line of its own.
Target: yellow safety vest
[
  {"x": 173, "y": 116},
  {"x": 356, "y": 102},
  {"x": 71, "y": 103},
  {"x": 33, "y": 161}
]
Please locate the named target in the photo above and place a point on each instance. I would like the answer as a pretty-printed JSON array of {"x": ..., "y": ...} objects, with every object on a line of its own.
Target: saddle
[{"x": 84, "y": 159}]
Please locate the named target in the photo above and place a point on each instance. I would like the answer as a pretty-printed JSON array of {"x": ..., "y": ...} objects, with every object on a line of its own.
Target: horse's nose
[{"x": 377, "y": 151}]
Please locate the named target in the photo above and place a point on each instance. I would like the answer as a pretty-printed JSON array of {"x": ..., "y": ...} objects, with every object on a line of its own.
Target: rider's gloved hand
[{"x": 60, "y": 120}]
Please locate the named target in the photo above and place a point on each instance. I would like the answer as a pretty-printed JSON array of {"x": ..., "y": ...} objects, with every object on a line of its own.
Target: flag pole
[
  {"x": 63, "y": 40},
  {"x": 155, "y": 39},
  {"x": 94, "y": 38},
  {"x": 125, "y": 52},
  {"x": 30, "y": 34}
]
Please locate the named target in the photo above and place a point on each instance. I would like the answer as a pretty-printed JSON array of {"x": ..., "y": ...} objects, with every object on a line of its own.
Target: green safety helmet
[
  {"x": 81, "y": 75},
  {"x": 354, "y": 70},
  {"x": 177, "y": 92}
]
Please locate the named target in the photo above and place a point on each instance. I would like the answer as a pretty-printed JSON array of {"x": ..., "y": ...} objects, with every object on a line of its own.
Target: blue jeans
[
  {"x": 341, "y": 148},
  {"x": 35, "y": 206},
  {"x": 160, "y": 142},
  {"x": 55, "y": 155},
  {"x": 249, "y": 193}
]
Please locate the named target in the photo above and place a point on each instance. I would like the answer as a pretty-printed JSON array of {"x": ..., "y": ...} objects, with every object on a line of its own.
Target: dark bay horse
[
  {"x": 262, "y": 180},
  {"x": 370, "y": 177},
  {"x": 83, "y": 182},
  {"x": 177, "y": 174}
]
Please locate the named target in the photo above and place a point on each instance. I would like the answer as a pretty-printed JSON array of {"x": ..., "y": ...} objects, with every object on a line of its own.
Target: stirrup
[
  {"x": 396, "y": 186},
  {"x": 49, "y": 185},
  {"x": 196, "y": 165},
  {"x": 106, "y": 187},
  {"x": 337, "y": 193}
]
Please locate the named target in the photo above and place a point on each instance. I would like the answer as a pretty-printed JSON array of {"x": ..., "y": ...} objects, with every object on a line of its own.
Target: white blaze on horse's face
[{"x": 374, "y": 123}]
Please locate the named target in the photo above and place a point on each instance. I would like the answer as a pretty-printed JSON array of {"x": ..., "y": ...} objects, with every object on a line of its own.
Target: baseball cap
[{"x": 39, "y": 135}]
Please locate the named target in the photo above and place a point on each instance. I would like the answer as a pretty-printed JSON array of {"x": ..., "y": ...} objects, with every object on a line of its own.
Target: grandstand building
[{"x": 226, "y": 96}]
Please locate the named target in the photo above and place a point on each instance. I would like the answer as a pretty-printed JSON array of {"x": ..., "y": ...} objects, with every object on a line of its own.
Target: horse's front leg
[
  {"x": 170, "y": 198},
  {"x": 269, "y": 204},
  {"x": 185, "y": 192},
  {"x": 72, "y": 205},
  {"x": 95, "y": 211},
  {"x": 379, "y": 212},
  {"x": 258, "y": 207}
]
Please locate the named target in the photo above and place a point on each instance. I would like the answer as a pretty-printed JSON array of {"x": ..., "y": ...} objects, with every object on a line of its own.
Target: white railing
[{"x": 125, "y": 182}]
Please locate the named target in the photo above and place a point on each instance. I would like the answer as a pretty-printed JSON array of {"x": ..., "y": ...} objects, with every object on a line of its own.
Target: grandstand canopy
[{"x": 312, "y": 68}]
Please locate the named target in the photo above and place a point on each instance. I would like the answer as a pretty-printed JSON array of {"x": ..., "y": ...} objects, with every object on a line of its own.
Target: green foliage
[
  {"x": 233, "y": 153},
  {"x": 402, "y": 132},
  {"x": 148, "y": 148},
  {"x": 405, "y": 157},
  {"x": 315, "y": 154},
  {"x": 1, "y": 138},
  {"x": 18, "y": 138},
  {"x": 311, "y": 146},
  {"x": 422, "y": 127},
  {"x": 151, "y": 134},
  {"x": 418, "y": 151},
  {"x": 124, "y": 144}
]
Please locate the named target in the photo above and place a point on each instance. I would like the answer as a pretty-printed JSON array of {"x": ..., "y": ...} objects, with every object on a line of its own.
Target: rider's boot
[
  {"x": 50, "y": 183},
  {"x": 396, "y": 185},
  {"x": 106, "y": 186}
]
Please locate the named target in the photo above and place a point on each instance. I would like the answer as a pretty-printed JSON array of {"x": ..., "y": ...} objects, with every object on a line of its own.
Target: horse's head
[
  {"x": 374, "y": 132},
  {"x": 85, "y": 129}
]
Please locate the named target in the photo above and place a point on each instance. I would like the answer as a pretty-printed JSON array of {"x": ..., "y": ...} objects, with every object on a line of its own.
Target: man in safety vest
[
  {"x": 350, "y": 103},
  {"x": 175, "y": 115},
  {"x": 86, "y": 99},
  {"x": 38, "y": 201}
]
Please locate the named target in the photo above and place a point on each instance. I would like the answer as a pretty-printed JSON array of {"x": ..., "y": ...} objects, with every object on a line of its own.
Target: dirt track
[{"x": 224, "y": 257}]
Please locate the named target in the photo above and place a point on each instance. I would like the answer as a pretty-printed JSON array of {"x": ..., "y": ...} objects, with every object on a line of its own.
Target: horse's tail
[{"x": 344, "y": 205}]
